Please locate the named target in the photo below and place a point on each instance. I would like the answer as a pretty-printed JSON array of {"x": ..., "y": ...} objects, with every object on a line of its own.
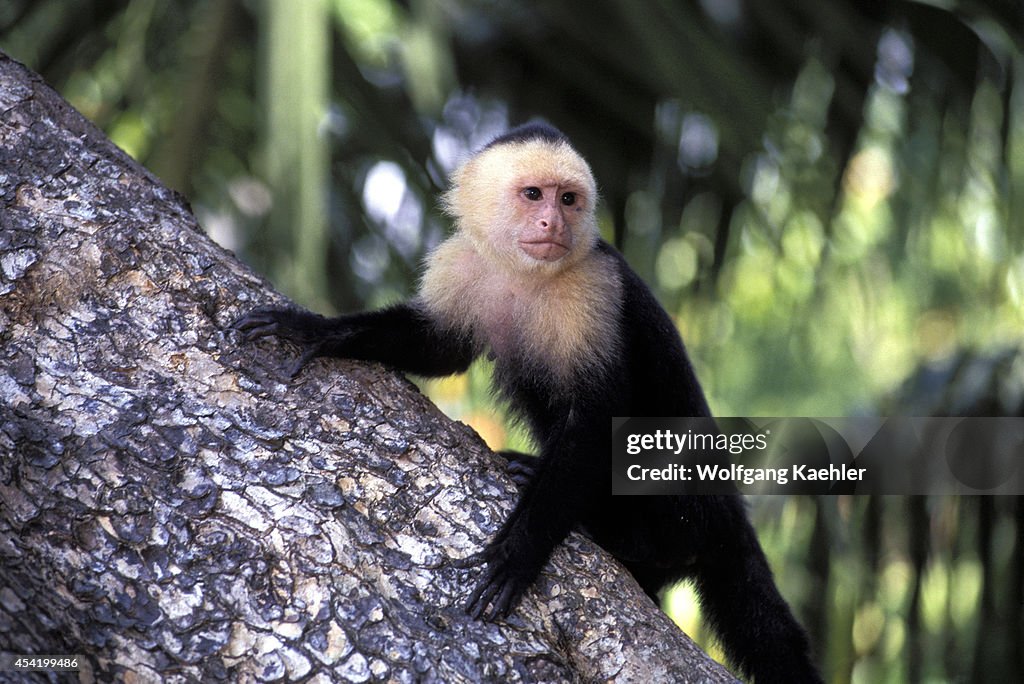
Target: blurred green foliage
[{"x": 828, "y": 195}]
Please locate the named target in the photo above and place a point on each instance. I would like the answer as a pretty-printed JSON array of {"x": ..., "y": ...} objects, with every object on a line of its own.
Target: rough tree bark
[{"x": 175, "y": 509}]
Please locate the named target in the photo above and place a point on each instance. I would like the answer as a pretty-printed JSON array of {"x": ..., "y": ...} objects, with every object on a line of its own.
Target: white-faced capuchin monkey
[{"x": 576, "y": 338}]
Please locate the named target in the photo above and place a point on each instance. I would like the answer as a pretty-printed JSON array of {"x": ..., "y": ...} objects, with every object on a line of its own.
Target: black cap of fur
[{"x": 535, "y": 130}]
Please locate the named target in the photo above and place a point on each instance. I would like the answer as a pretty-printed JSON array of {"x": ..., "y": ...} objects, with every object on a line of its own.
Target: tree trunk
[{"x": 175, "y": 509}]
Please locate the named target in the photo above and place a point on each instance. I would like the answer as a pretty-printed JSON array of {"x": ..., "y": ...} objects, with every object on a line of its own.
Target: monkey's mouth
[{"x": 544, "y": 249}]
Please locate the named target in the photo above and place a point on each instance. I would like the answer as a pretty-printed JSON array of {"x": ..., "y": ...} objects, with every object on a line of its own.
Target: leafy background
[{"x": 827, "y": 195}]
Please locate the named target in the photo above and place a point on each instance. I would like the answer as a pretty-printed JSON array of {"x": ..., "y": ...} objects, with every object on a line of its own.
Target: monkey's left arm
[
  {"x": 402, "y": 336},
  {"x": 552, "y": 503}
]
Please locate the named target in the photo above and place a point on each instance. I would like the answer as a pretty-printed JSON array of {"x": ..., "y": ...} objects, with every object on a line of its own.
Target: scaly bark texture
[{"x": 175, "y": 509}]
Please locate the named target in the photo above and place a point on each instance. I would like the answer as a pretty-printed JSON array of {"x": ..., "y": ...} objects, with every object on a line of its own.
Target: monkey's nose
[{"x": 551, "y": 224}]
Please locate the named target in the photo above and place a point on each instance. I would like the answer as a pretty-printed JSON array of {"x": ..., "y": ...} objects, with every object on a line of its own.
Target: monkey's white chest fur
[{"x": 560, "y": 321}]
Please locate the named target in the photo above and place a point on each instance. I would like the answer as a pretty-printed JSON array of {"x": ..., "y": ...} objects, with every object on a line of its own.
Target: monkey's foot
[{"x": 521, "y": 467}]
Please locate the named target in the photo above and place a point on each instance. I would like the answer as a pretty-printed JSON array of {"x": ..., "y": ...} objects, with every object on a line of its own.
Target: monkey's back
[{"x": 656, "y": 368}]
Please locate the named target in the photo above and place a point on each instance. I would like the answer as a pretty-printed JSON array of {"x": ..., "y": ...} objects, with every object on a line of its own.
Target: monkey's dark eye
[
  {"x": 569, "y": 199},
  {"x": 533, "y": 194}
]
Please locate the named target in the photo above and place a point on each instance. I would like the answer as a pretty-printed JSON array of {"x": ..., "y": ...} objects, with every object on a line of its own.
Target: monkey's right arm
[{"x": 402, "y": 336}]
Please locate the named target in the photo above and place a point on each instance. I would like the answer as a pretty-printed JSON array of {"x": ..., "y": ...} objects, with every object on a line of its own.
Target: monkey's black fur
[
  {"x": 537, "y": 130},
  {"x": 660, "y": 539}
]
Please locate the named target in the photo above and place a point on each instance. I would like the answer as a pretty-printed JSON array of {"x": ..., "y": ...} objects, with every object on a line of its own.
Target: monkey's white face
[
  {"x": 529, "y": 207},
  {"x": 521, "y": 273},
  {"x": 547, "y": 213}
]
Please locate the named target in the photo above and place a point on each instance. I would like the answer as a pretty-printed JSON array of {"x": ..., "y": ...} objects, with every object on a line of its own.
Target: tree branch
[{"x": 173, "y": 507}]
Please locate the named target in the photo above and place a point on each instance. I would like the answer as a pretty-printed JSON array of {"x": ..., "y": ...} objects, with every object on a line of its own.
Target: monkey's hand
[
  {"x": 501, "y": 586},
  {"x": 307, "y": 330}
]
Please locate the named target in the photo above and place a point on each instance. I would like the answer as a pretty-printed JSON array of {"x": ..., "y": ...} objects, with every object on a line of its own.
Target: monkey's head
[{"x": 527, "y": 201}]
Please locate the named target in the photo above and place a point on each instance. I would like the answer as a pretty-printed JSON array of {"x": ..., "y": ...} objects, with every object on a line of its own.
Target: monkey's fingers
[
  {"x": 257, "y": 323},
  {"x": 507, "y": 599},
  {"x": 311, "y": 352},
  {"x": 495, "y": 596},
  {"x": 472, "y": 560},
  {"x": 482, "y": 597}
]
